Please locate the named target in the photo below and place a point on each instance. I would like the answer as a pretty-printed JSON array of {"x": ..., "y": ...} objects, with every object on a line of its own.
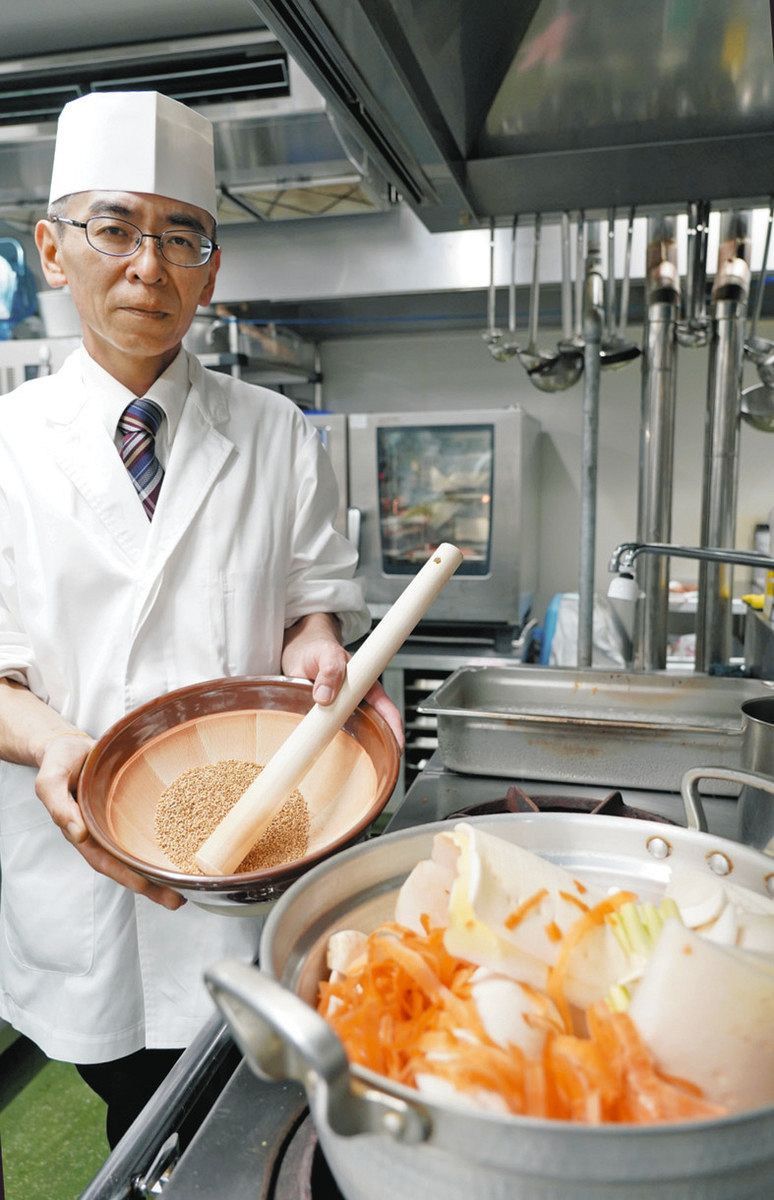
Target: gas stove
[
  {"x": 439, "y": 794},
  {"x": 257, "y": 1141}
]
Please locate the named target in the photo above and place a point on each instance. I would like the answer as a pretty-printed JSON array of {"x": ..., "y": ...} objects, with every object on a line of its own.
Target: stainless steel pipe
[
  {"x": 593, "y": 324},
  {"x": 657, "y": 422},
  {"x": 719, "y": 488},
  {"x": 721, "y": 441},
  {"x": 656, "y": 469}
]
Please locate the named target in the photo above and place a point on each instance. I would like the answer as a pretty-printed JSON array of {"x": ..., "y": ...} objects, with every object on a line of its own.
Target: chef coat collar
[{"x": 169, "y": 391}]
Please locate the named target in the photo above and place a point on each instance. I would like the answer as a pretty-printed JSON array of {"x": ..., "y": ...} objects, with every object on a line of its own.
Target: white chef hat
[{"x": 134, "y": 142}]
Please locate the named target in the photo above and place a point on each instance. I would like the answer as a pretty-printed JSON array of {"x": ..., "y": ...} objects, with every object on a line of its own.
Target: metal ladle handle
[
  {"x": 492, "y": 330},
  {"x": 512, "y": 280},
  {"x": 566, "y": 280},
  {"x": 610, "y": 278},
  {"x": 623, "y": 312},
  {"x": 580, "y": 276},
  {"x": 762, "y": 278},
  {"x": 534, "y": 296}
]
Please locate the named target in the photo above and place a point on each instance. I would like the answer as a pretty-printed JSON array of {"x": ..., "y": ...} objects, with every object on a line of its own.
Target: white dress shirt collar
[{"x": 169, "y": 391}]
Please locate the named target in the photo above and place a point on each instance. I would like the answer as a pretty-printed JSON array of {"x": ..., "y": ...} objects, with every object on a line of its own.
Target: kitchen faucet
[{"x": 624, "y": 587}]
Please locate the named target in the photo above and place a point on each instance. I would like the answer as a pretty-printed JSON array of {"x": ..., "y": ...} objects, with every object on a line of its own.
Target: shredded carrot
[
  {"x": 517, "y": 916},
  {"x": 405, "y": 1008},
  {"x": 581, "y": 887},
  {"x": 574, "y": 900},
  {"x": 553, "y": 932}
]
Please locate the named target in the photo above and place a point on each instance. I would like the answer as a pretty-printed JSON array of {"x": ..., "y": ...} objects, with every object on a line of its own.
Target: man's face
[{"x": 133, "y": 308}]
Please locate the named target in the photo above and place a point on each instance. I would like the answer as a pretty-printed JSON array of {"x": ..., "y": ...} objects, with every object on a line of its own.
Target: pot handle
[
  {"x": 281, "y": 1038},
  {"x": 690, "y": 789}
]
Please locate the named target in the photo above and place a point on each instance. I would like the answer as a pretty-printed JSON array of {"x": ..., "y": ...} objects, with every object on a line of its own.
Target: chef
[{"x": 160, "y": 524}]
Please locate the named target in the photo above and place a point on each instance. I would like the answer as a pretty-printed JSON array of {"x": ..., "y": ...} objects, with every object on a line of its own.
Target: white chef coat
[{"x": 102, "y": 610}]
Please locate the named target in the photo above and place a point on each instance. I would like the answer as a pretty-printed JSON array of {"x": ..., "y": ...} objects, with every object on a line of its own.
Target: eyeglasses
[{"x": 110, "y": 235}]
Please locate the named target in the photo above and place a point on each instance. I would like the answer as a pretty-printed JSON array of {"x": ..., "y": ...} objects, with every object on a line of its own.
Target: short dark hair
[{"x": 58, "y": 208}]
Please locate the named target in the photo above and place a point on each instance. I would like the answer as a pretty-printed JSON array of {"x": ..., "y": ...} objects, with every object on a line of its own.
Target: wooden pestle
[{"x": 222, "y": 852}]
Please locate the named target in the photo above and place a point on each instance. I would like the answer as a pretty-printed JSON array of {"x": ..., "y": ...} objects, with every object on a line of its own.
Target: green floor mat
[{"x": 52, "y": 1127}]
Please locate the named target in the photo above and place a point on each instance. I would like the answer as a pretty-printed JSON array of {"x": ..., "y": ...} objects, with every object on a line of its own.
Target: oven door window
[{"x": 435, "y": 485}]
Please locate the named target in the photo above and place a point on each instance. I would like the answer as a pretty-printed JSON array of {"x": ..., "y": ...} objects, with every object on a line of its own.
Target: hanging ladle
[
  {"x": 616, "y": 350},
  {"x": 568, "y": 364},
  {"x": 759, "y": 349},
  {"x": 502, "y": 346},
  {"x": 693, "y": 329},
  {"x": 548, "y": 371},
  {"x": 757, "y": 401}
]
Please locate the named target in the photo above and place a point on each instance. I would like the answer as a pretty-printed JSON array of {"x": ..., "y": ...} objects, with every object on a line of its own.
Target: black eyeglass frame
[{"x": 156, "y": 237}]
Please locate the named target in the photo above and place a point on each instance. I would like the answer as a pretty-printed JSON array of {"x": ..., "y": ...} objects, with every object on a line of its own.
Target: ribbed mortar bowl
[{"x": 244, "y": 719}]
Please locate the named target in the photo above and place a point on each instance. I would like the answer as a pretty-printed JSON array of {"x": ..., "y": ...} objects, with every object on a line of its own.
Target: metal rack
[{"x": 414, "y": 673}]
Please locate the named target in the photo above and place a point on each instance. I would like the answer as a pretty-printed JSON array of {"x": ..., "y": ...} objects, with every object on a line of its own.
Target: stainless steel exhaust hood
[
  {"x": 280, "y": 153},
  {"x": 482, "y": 110}
]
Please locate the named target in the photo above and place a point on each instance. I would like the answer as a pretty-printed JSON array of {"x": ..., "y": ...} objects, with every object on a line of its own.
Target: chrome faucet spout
[{"x": 625, "y": 555}]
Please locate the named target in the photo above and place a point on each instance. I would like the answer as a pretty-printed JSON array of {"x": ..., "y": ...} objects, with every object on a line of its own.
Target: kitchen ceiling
[
  {"x": 482, "y": 110},
  {"x": 32, "y": 27},
  {"x": 470, "y": 111},
  {"x": 279, "y": 151}
]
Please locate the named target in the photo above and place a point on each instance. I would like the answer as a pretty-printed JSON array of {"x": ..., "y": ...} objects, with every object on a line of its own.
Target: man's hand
[
  {"x": 313, "y": 650},
  {"x": 60, "y": 765}
]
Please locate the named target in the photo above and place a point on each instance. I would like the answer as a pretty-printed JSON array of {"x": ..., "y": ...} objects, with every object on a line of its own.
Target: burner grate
[
  {"x": 303, "y": 1172},
  {"x": 516, "y": 800}
]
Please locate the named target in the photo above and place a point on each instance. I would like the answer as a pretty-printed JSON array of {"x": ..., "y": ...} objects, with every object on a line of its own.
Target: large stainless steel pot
[
  {"x": 382, "y": 1140},
  {"x": 756, "y": 800}
]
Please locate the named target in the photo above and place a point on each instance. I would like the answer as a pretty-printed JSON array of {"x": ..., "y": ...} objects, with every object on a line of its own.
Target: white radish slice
[
  {"x": 425, "y": 892},
  {"x": 502, "y": 1006},
  {"x": 699, "y": 895},
  {"x": 706, "y": 1012},
  {"x": 724, "y": 929},
  {"x": 345, "y": 947},
  {"x": 756, "y": 933}
]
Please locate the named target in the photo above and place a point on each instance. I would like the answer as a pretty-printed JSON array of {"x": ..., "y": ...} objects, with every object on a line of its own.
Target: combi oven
[{"x": 415, "y": 479}]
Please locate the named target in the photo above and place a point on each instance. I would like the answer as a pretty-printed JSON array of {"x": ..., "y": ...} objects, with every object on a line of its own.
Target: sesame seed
[{"x": 193, "y": 804}]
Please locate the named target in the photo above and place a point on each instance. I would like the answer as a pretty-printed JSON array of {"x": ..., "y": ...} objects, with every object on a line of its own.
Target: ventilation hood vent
[
  {"x": 488, "y": 109},
  {"x": 198, "y": 76},
  {"x": 279, "y": 153}
]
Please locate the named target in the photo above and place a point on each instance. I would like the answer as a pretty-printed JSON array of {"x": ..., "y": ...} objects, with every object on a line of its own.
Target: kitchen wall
[{"x": 447, "y": 371}]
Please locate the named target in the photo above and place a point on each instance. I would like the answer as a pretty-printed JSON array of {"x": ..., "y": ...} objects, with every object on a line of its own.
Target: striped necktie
[{"x": 139, "y": 423}]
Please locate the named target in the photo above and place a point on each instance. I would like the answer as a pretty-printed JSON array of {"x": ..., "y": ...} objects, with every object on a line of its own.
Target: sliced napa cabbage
[
  {"x": 706, "y": 1013},
  {"x": 493, "y": 879},
  {"x": 637, "y": 928}
]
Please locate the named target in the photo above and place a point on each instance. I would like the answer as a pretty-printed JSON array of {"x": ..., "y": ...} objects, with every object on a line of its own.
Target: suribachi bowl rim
[{"x": 284, "y": 873}]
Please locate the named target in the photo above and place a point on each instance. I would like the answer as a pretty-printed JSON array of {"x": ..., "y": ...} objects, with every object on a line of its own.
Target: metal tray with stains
[{"x": 604, "y": 727}]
